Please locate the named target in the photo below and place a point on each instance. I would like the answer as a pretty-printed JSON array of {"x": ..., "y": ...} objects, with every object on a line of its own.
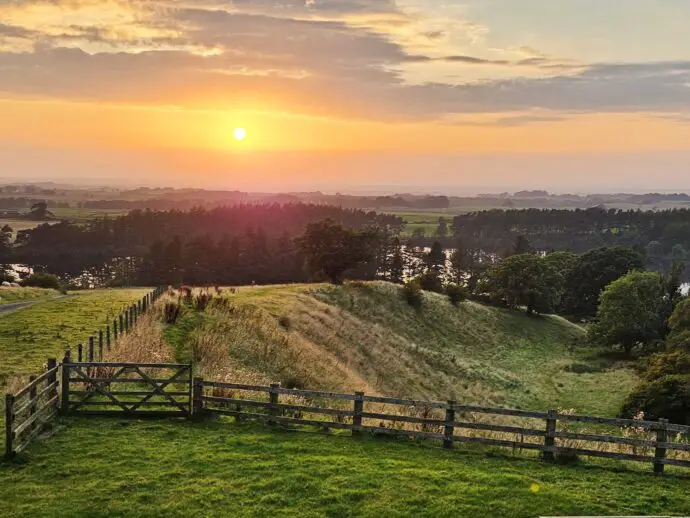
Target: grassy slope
[
  {"x": 112, "y": 468},
  {"x": 364, "y": 336},
  {"x": 10, "y": 295}
]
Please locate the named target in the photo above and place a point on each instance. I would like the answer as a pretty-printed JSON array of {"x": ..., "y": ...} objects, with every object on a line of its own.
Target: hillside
[{"x": 363, "y": 336}]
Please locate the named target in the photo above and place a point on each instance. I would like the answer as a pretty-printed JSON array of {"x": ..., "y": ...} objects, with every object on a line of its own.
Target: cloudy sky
[{"x": 348, "y": 94}]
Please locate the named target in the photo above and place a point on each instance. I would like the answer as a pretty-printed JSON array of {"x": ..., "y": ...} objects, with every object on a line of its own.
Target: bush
[
  {"x": 431, "y": 281},
  {"x": 42, "y": 280},
  {"x": 667, "y": 397},
  {"x": 412, "y": 293},
  {"x": 6, "y": 277},
  {"x": 667, "y": 364},
  {"x": 456, "y": 294},
  {"x": 171, "y": 312}
]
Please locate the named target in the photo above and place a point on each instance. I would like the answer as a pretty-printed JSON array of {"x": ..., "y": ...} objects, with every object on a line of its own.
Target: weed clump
[
  {"x": 412, "y": 293},
  {"x": 171, "y": 312},
  {"x": 285, "y": 322},
  {"x": 202, "y": 301}
]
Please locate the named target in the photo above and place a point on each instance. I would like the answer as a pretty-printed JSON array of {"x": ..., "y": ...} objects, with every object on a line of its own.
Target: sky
[{"x": 427, "y": 95}]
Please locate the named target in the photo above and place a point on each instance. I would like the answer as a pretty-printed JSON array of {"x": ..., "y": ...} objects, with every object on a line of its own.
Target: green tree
[
  {"x": 397, "y": 263},
  {"x": 631, "y": 311},
  {"x": 442, "y": 229},
  {"x": 591, "y": 273},
  {"x": 331, "y": 250},
  {"x": 435, "y": 260},
  {"x": 523, "y": 280},
  {"x": 521, "y": 246}
]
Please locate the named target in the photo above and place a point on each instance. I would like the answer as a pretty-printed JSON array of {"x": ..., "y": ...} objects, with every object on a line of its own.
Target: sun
[{"x": 239, "y": 133}]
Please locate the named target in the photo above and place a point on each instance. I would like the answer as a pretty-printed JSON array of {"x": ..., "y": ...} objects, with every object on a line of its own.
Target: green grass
[
  {"x": 99, "y": 467},
  {"x": 10, "y": 295},
  {"x": 30, "y": 335}
]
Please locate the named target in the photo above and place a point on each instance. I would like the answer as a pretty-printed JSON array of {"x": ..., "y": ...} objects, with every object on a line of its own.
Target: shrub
[
  {"x": 667, "y": 364},
  {"x": 431, "y": 281},
  {"x": 456, "y": 294},
  {"x": 667, "y": 397},
  {"x": 412, "y": 292},
  {"x": 171, "y": 312},
  {"x": 6, "y": 277},
  {"x": 42, "y": 280}
]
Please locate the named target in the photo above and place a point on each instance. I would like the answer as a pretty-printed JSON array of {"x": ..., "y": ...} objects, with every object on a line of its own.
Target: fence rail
[{"x": 211, "y": 397}]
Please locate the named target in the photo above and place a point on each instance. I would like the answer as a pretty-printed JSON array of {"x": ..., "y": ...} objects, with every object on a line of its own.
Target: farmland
[{"x": 360, "y": 336}]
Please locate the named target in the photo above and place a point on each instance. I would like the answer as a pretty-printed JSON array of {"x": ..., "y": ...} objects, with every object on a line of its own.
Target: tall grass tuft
[{"x": 171, "y": 312}]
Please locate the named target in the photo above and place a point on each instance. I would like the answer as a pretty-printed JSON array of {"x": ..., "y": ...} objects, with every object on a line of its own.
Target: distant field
[
  {"x": 83, "y": 215},
  {"x": 19, "y": 225},
  {"x": 113, "y": 468}
]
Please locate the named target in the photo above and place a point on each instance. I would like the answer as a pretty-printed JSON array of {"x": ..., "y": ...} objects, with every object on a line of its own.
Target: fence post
[
  {"x": 660, "y": 451},
  {"x": 550, "y": 437},
  {"x": 50, "y": 365},
  {"x": 448, "y": 426},
  {"x": 114, "y": 329},
  {"x": 9, "y": 418},
  {"x": 122, "y": 324},
  {"x": 100, "y": 345},
  {"x": 80, "y": 357},
  {"x": 197, "y": 394},
  {"x": 91, "y": 342},
  {"x": 357, "y": 417},
  {"x": 64, "y": 403},
  {"x": 107, "y": 336},
  {"x": 32, "y": 395},
  {"x": 273, "y": 396}
]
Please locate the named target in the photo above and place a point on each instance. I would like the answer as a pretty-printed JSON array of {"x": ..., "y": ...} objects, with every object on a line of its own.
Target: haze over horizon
[{"x": 575, "y": 95}]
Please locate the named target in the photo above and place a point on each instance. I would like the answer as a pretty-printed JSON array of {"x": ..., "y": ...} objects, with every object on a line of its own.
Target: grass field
[
  {"x": 363, "y": 336},
  {"x": 102, "y": 467},
  {"x": 10, "y": 295}
]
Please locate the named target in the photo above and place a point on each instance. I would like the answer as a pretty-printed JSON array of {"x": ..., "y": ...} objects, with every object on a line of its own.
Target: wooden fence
[
  {"x": 668, "y": 442},
  {"x": 27, "y": 411}
]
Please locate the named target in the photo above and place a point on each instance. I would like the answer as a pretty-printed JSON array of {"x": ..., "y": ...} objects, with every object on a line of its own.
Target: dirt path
[{"x": 6, "y": 309}]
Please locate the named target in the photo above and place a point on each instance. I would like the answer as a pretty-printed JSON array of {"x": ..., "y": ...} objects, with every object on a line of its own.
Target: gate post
[
  {"x": 64, "y": 402},
  {"x": 357, "y": 417},
  {"x": 197, "y": 394}
]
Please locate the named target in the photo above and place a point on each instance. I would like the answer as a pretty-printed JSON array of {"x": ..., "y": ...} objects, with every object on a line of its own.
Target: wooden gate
[{"x": 138, "y": 389}]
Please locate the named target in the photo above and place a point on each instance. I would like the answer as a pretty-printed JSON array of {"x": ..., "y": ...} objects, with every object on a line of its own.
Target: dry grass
[{"x": 143, "y": 344}]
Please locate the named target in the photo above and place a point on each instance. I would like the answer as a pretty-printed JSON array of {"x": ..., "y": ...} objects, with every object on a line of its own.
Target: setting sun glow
[{"x": 239, "y": 133}]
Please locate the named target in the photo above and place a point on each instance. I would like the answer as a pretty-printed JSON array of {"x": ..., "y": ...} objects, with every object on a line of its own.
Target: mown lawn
[{"x": 107, "y": 467}]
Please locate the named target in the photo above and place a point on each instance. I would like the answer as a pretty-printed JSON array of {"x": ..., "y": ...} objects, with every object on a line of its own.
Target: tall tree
[
  {"x": 631, "y": 311},
  {"x": 523, "y": 280},
  {"x": 591, "y": 273},
  {"x": 397, "y": 263},
  {"x": 331, "y": 250}
]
